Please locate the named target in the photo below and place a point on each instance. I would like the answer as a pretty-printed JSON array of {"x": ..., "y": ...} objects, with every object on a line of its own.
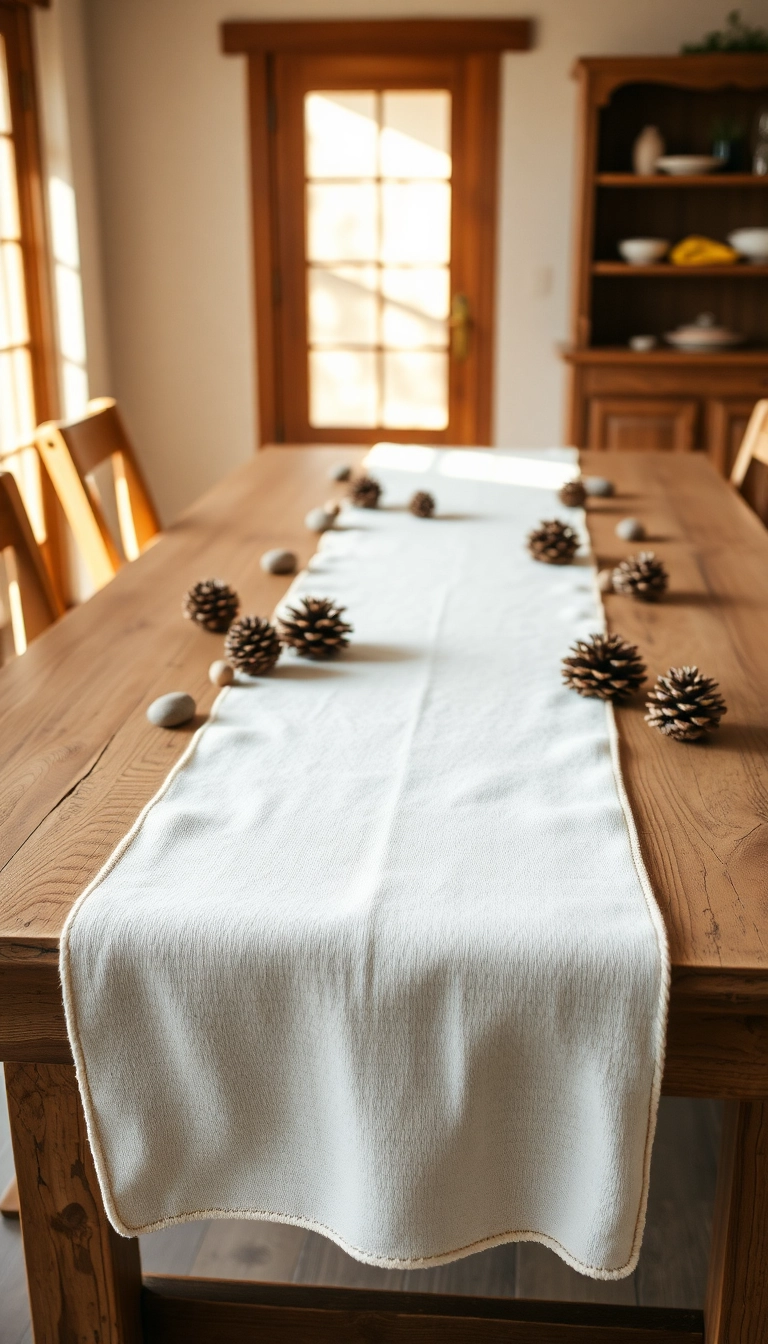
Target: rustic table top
[{"x": 79, "y": 759}]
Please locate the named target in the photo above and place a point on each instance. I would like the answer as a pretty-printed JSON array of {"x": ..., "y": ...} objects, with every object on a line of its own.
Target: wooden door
[
  {"x": 642, "y": 423},
  {"x": 382, "y": 222}
]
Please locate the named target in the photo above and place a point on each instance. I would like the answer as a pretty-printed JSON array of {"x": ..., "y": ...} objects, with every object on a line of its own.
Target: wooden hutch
[{"x": 664, "y": 398}]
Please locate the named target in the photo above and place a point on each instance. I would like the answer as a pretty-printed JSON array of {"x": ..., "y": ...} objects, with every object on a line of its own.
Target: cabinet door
[
  {"x": 727, "y": 419},
  {"x": 646, "y": 423}
]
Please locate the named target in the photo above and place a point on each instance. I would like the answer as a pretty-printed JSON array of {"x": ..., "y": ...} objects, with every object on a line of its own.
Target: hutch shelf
[{"x": 663, "y": 399}]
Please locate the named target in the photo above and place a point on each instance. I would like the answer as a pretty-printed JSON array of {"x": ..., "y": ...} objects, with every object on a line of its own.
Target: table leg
[
  {"x": 736, "y": 1310},
  {"x": 84, "y": 1280}
]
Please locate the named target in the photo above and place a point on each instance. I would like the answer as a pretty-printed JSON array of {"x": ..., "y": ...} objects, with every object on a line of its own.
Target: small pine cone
[
  {"x": 252, "y": 645},
  {"x": 684, "y": 704},
  {"x": 315, "y": 628},
  {"x": 365, "y": 492},
  {"x": 553, "y": 542},
  {"x": 605, "y": 666},
  {"x": 212, "y": 604},
  {"x": 422, "y": 504},
  {"x": 573, "y": 494},
  {"x": 641, "y": 576}
]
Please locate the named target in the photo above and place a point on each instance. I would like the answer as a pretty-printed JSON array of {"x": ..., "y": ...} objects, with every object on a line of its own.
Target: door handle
[{"x": 460, "y": 322}]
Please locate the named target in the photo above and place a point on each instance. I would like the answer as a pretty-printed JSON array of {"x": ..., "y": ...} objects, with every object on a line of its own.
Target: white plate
[{"x": 688, "y": 165}]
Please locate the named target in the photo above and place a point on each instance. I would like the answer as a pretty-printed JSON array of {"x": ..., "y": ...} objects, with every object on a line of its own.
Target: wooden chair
[
  {"x": 32, "y": 600},
  {"x": 9, "y": 1200},
  {"x": 34, "y": 605},
  {"x": 749, "y": 477},
  {"x": 71, "y": 453}
]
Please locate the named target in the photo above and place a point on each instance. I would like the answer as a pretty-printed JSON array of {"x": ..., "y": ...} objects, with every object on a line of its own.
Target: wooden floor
[{"x": 671, "y": 1271}]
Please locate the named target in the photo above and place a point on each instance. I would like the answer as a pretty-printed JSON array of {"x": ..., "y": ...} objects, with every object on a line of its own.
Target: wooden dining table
[{"x": 80, "y": 760}]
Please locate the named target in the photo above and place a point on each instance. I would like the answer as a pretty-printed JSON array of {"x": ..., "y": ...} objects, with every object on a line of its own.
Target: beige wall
[{"x": 170, "y": 127}]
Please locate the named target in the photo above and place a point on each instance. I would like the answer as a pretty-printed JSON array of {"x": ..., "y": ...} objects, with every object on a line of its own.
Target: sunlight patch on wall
[{"x": 69, "y": 298}]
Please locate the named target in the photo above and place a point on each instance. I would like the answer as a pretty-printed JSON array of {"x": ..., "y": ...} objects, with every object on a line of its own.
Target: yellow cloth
[{"x": 698, "y": 251}]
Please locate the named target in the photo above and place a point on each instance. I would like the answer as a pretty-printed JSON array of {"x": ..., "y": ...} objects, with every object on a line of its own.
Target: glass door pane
[{"x": 378, "y": 229}]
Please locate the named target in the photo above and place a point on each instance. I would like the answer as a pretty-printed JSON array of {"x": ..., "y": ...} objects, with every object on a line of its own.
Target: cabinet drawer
[
  {"x": 674, "y": 380},
  {"x": 653, "y": 424}
]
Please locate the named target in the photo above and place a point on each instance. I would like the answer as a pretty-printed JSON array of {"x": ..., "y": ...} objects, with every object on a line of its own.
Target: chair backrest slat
[
  {"x": 71, "y": 453},
  {"x": 754, "y": 445},
  {"x": 34, "y": 604}
]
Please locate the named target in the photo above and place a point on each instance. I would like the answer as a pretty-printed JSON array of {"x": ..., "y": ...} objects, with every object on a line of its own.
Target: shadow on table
[{"x": 380, "y": 653}]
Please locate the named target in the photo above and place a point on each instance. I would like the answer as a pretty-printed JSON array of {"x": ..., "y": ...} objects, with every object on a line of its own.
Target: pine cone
[
  {"x": 605, "y": 666},
  {"x": 314, "y": 628},
  {"x": 212, "y": 604},
  {"x": 365, "y": 492},
  {"x": 641, "y": 576},
  {"x": 685, "y": 705},
  {"x": 573, "y": 494},
  {"x": 252, "y": 645},
  {"x": 553, "y": 542},
  {"x": 422, "y": 504}
]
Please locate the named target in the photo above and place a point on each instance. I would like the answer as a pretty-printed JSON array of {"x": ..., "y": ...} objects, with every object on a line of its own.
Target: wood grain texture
[
  {"x": 40, "y": 605},
  {"x": 717, "y": 1055},
  {"x": 9, "y": 1200},
  {"x": 205, "y": 1310},
  {"x": 701, "y": 812},
  {"x": 612, "y": 301},
  {"x": 280, "y": 224},
  {"x": 377, "y": 36},
  {"x": 81, "y": 760},
  {"x": 84, "y": 1279},
  {"x": 32, "y": 1024},
  {"x": 736, "y": 1309},
  {"x": 744, "y": 70},
  {"x": 265, "y": 249}
]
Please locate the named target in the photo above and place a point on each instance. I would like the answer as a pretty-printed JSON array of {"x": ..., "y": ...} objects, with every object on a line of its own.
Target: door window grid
[
  {"x": 377, "y": 191},
  {"x": 17, "y": 400}
]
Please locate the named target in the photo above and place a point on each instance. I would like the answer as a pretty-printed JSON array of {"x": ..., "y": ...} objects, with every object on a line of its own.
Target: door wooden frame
[
  {"x": 16, "y": 29},
  {"x": 479, "y": 43}
]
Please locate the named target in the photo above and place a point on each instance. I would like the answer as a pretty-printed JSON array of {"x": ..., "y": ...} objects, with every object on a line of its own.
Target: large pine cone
[
  {"x": 314, "y": 628},
  {"x": 212, "y": 604},
  {"x": 685, "y": 705},
  {"x": 642, "y": 576},
  {"x": 573, "y": 494},
  {"x": 422, "y": 504},
  {"x": 605, "y": 666},
  {"x": 252, "y": 645},
  {"x": 365, "y": 492},
  {"x": 553, "y": 542}
]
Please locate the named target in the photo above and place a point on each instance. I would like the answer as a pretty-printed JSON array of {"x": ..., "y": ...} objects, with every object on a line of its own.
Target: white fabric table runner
[{"x": 381, "y": 959}]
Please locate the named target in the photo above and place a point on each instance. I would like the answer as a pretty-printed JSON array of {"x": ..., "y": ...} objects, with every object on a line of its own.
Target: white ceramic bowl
[
  {"x": 703, "y": 335},
  {"x": 751, "y": 243},
  {"x": 688, "y": 165},
  {"x": 643, "y": 251},
  {"x": 643, "y": 343}
]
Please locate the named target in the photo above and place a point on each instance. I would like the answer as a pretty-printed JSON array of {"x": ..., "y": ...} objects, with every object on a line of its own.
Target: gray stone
[
  {"x": 630, "y": 529},
  {"x": 168, "y": 711},
  {"x": 278, "y": 562},
  {"x": 598, "y": 485},
  {"x": 317, "y": 520},
  {"x": 341, "y": 472}
]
